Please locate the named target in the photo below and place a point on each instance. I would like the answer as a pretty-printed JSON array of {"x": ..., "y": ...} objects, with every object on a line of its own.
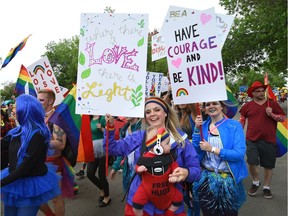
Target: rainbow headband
[
  {"x": 153, "y": 141},
  {"x": 157, "y": 101}
]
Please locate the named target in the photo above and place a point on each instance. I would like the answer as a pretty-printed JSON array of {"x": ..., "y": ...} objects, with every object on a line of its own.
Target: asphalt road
[{"x": 85, "y": 203}]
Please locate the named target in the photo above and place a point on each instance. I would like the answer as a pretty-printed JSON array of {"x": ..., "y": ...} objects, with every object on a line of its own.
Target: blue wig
[{"x": 30, "y": 115}]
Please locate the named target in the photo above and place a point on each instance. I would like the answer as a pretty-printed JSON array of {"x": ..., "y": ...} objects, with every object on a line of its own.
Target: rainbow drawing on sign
[
  {"x": 181, "y": 92},
  {"x": 38, "y": 67}
]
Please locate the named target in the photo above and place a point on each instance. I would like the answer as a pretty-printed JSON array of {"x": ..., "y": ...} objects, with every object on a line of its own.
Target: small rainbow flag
[
  {"x": 23, "y": 82},
  {"x": 281, "y": 138},
  {"x": 269, "y": 91},
  {"x": 12, "y": 53}
]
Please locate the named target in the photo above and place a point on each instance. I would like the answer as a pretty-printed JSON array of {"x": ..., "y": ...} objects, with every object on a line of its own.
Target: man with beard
[{"x": 263, "y": 115}]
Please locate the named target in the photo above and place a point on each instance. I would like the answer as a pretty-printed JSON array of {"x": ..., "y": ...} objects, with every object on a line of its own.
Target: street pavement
[{"x": 85, "y": 203}]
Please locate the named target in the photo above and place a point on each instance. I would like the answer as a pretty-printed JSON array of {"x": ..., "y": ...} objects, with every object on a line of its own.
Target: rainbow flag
[
  {"x": 281, "y": 138},
  {"x": 66, "y": 118},
  {"x": 12, "y": 53},
  {"x": 231, "y": 103},
  {"x": 269, "y": 91},
  {"x": 76, "y": 127},
  {"x": 24, "y": 83}
]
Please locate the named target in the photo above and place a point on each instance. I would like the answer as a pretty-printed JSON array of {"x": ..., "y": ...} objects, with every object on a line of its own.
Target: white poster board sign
[
  {"x": 158, "y": 47},
  {"x": 42, "y": 76},
  {"x": 112, "y": 64},
  {"x": 194, "y": 59},
  {"x": 165, "y": 84},
  {"x": 224, "y": 23},
  {"x": 153, "y": 84}
]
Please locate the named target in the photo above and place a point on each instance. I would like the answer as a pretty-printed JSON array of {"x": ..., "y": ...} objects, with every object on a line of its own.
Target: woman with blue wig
[{"x": 28, "y": 182}]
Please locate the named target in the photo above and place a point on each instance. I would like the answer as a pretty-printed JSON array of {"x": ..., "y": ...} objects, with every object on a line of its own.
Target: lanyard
[{"x": 216, "y": 126}]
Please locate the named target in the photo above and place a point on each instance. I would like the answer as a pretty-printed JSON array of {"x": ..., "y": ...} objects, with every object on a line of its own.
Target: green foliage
[
  {"x": 63, "y": 57},
  {"x": 257, "y": 42},
  {"x": 8, "y": 91}
]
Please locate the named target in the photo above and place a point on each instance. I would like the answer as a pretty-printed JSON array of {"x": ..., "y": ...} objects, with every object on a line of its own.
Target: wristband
[{"x": 213, "y": 149}]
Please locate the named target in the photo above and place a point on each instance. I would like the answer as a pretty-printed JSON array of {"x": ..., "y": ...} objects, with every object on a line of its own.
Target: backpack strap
[{"x": 143, "y": 149}]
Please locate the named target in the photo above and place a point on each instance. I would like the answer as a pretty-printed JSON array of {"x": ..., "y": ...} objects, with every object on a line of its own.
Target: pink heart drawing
[
  {"x": 205, "y": 18},
  {"x": 177, "y": 62}
]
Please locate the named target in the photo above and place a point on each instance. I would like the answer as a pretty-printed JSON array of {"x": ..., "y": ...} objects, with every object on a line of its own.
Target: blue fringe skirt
[
  {"x": 32, "y": 190},
  {"x": 218, "y": 193}
]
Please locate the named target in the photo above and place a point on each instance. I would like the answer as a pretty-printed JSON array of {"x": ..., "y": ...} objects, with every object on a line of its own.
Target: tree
[
  {"x": 8, "y": 91},
  {"x": 257, "y": 40},
  {"x": 63, "y": 57}
]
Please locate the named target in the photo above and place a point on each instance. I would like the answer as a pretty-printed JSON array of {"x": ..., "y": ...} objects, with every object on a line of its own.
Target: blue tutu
[{"x": 32, "y": 190}]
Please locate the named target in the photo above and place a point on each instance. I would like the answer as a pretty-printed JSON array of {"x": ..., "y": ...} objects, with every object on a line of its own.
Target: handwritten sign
[
  {"x": 165, "y": 84},
  {"x": 112, "y": 64},
  {"x": 194, "y": 58},
  {"x": 42, "y": 76},
  {"x": 158, "y": 47},
  {"x": 224, "y": 23},
  {"x": 153, "y": 84}
]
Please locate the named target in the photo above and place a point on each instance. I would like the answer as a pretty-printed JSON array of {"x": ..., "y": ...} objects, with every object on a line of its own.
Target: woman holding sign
[
  {"x": 157, "y": 114},
  {"x": 221, "y": 151}
]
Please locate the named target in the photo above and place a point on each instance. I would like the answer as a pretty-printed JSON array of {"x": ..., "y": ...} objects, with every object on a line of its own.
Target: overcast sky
[{"x": 60, "y": 19}]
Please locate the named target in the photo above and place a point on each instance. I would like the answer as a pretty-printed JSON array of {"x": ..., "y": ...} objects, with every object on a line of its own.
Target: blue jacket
[
  {"x": 234, "y": 146},
  {"x": 187, "y": 158}
]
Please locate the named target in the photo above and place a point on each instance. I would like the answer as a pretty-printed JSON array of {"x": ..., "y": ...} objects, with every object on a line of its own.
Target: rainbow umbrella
[{"x": 281, "y": 138}]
